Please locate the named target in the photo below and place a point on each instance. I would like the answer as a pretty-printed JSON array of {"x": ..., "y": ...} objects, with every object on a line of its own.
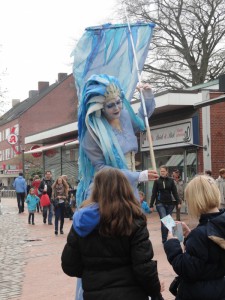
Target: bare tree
[
  {"x": 4, "y": 105},
  {"x": 3, "y": 102},
  {"x": 188, "y": 42}
]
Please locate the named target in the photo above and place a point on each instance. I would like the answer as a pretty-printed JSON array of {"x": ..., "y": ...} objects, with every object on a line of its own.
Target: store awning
[
  {"x": 191, "y": 158},
  {"x": 175, "y": 160},
  {"x": 48, "y": 147}
]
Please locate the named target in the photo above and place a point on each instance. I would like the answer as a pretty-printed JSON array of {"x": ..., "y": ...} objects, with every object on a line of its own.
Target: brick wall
[
  {"x": 217, "y": 115},
  {"x": 57, "y": 108}
]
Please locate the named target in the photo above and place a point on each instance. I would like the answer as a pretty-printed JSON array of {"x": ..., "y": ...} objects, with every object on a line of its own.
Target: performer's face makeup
[{"x": 112, "y": 109}]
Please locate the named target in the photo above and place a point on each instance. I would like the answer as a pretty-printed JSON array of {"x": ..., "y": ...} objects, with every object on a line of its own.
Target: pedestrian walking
[
  {"x": 201, "y": 267},
  {"x": 21, "y": 190},
  {"x": 162, "y": 192},
  {"x": 68, "y": 204},
  {"x": 108, "y": 245},
  {"x": 60, "y": 190},
  {"x": 35, "y": 184},
  {"x": 32, "y": 200},
  {"x": 221, "y": 185},
  {"x": 180, "y": 190},
  {"x": 46, "y": 187}
]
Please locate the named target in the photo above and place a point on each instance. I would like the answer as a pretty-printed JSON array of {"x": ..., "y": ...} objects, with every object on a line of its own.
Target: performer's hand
[
  {"x": 144, "y": 86},
  {"x": 152, "y": 175}
]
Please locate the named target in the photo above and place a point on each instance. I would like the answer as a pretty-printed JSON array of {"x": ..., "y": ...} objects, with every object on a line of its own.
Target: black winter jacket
[
  {"x": 49, "y": 184},
  {"x": 113, "y": 268},
  {"x": 162, "y": 190},
  {"x": 202, "y": 266}
]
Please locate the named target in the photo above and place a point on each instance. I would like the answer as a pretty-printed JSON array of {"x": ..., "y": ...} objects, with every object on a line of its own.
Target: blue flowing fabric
[{"x": 107, "y": 49}]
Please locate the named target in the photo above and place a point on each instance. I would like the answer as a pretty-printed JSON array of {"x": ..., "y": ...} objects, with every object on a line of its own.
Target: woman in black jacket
[
  {"x": 201, "y": 267},
  {"x": 162, "y": 191},
  {"x": 108, "y": 245}
]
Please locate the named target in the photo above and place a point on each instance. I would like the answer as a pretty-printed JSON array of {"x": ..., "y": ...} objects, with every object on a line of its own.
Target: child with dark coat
[
  {"x": 108, "y": 245},
  {"x": 201, "y": 267}
]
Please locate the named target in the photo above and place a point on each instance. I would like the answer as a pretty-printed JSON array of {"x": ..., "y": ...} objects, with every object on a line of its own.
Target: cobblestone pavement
[
  {"x": 13, "y": 237},
  {"x": 30, "y": 257}
]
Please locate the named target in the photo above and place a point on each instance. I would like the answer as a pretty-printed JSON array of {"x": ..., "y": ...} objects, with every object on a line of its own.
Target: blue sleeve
[
  {"x": 28, "y": 198},
  {"x": 94, "y": 153},
  {"x": 150, "y": 106},
  {"x": 145, "y": 207}
]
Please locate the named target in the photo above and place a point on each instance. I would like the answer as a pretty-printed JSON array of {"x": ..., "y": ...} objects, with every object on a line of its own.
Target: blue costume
[{"x": 102, "y": 145}]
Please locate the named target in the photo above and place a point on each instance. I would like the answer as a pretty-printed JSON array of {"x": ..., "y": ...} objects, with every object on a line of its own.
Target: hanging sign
[{"x": 12, "y": 139}]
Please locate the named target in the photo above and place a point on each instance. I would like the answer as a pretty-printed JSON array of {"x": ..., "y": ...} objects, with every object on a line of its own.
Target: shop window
[
  {"x": 7, "y": 132},
  {"x": 7, "y": 154}
]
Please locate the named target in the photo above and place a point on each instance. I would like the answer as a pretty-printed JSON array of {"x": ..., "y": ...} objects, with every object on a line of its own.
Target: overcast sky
[{"x": 38, "y": 36}]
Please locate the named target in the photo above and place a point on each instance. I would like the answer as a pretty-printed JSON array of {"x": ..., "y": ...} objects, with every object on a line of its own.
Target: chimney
[
  {"x": 61, "y": 76},
  {"x": 15, "y": 102},
  {"x": 222, "y": 83},
  {"x": 42, "y": 85},
  {"x": 33, "y": 93}
]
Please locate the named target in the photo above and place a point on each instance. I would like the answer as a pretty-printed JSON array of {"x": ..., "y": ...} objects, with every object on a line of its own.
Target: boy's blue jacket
[
  {"x": 86, "y": 219},
  {"x": 145, "y": 207}
]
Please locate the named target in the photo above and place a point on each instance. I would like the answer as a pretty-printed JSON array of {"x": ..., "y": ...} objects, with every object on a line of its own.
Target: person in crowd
[
  {"x": 68, "y": 209},
  {"x": 46, "y": 187},
  {"x": 208, "y": 172},
  {"x": 20, "y": 186},
  {"x": 221, "y": 185},
  {"x": 111, "y": 227},
  {"x": 144, "y": 204},
  {"x": 35, "y": 184},
  {"x": 29, "y": 185},
  {"x": 73, "y": 197},
  {"x": 60, "y": 190},
  {"x": 32, "y": 201},
  {"x": 180, "y": 190},
  {"x": 162, "y": 192},
  {"x": 107, "y": 125},
  {"x": 201, "y": 267}
]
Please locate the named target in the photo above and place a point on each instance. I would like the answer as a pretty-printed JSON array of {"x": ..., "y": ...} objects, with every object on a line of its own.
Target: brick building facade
[{"x": 51, "y": 106}]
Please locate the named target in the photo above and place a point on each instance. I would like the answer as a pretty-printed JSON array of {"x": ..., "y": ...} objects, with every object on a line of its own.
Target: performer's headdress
[{"x": 112, "y": 92}]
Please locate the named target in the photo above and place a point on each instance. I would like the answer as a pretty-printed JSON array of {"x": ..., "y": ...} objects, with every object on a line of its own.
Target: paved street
[{"x": 30, "y": 257}]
